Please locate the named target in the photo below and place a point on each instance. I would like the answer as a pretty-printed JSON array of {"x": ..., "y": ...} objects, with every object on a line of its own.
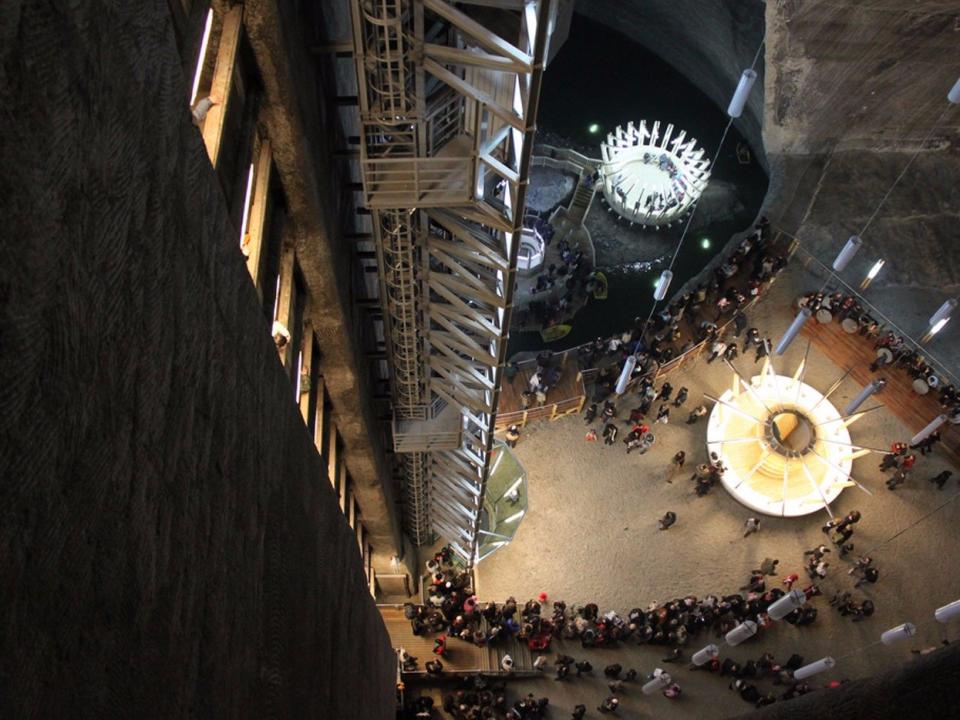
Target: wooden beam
[
  {"x": 319, "y": 432},
  {"x": 216, "y": 117},
  {"x": 468, "y": 90},
  {"x": 256, "y": 225},
  {"x": 285, "y": 301},
  {"x": 458, "y": 56},
  {"x": 470, "y": 27},
  {"x": 333, "y": 458},
  {"x": 307, "y": 350}
]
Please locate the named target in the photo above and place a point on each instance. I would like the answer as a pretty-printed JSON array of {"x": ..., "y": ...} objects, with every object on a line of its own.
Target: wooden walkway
[
  {"x": 567, "y": 396},
  {"x": 461, "y": 658},
  {"x": 848, "y": 350}
]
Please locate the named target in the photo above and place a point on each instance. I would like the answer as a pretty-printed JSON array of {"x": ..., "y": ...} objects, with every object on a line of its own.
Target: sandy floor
[{"x": 591, "y": 535}]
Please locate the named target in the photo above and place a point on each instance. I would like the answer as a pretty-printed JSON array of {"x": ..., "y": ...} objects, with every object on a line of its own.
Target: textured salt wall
[
  {"x": 169, "y": 544},
  {"x": 923, "y": 688}
]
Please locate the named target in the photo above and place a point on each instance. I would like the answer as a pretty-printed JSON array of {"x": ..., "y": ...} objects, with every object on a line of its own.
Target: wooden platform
[
  {"x": 567, "y": 396},
  {"x": 854, "y": 351}
]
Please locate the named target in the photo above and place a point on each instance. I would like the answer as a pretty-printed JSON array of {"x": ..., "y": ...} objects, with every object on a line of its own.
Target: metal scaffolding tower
[{"x": 448, "y": 97}]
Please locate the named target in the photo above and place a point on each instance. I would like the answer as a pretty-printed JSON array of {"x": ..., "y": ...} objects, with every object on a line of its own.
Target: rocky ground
[{"x": 590, "y": 535}]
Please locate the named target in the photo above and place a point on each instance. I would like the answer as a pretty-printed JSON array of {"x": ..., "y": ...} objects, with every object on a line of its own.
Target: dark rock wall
[
  {"x": 924, "y": 688},
  {"x": 169, "y": 543},
  {"x": 709, "y": 41}
]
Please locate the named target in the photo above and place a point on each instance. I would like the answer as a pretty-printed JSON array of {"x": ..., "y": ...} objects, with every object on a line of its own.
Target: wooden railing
[{"x": 417, "y": 182}]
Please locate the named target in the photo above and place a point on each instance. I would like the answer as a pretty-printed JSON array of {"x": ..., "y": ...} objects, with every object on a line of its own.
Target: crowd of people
[
  {"x": 696, "y": 315},
  {"x": 572, "y": 272},
  {"x": 893, "y": 352},
  {"x": 454, "y": 612}
]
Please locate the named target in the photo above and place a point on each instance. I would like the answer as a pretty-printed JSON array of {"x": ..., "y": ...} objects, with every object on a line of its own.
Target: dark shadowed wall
[{"x": 170, "y": 545}]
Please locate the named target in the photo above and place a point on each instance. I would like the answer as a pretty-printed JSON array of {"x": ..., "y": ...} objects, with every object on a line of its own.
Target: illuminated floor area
[{"x": 590, "y": 535}]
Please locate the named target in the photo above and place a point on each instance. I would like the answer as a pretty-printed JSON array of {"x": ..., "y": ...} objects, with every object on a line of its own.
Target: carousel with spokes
[
  {"x": 786, "y": 449},
  {"x": 652, "y": 177}
]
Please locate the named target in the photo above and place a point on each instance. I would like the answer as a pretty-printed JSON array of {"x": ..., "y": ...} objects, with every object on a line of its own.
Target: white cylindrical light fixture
[
  {"x": 861, "y": 398},
  {"x": 898, "y": 633},
  {"x": 793, "y": 330},
  {"x": 954, "y": 94},
  {"x": 740, "y": 95},
  {"x": 625, "y": 374},
  {"x": 708, "y": 653},
  {"x": 944, "y": 312},
  {"x": 813, "y": 668},
  {"x": 947, "y": 612},
  {"x": 663, "y": 284},
  {"x": 744, "y": 631},
  {"x": 787, "y": 604},
  {"x": 658, "y": 683},
  {"x": 929, "y": 429},
  {"x": 846, "y": 255}
]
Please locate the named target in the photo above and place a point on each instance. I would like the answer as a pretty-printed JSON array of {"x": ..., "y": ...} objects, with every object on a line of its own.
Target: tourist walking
[
  {"x": 750, "y": 526},
  {"x": 663, "y": 414},
  {"x": 941, "y": 479},
  {"x": 668, "y": 519},
  {"x": 513, "y": 435},
  {"x": 698, "y": 412},
  {"x": 681, "y": 397}
]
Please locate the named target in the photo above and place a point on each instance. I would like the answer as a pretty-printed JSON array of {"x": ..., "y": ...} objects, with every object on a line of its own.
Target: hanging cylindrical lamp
[
  {"x": 846, "y": 255},
  {"x": 625, "y": 374},
  {"x": 658, "y": 683},
  {"x": 740, "y": 95},
  {"x": 813, "y": 668},
  {"x": 943, "y": 313},
  {"x": 744, "y": 631},
  {"x": 954, "y": 94},
  {"x": 931, "y": 428},
  {"x": 793, "y": 330},
  {"x": 861, "y": 398},
  {"x": 898, "y": 633},
  {"x": 787, "y": 604},
  {"x": 947, "y": 612},
  {"x": 663, "y": 284},
  {"x": 708, "y": 653}
]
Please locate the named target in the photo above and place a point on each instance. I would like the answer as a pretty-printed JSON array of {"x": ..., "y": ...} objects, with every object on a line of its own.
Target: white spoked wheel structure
[
  {"x": 649, "y": 178},
  {"x": 785, "y": 448}
]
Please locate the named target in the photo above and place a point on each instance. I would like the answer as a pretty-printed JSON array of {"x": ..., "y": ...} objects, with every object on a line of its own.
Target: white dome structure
[
  {"x": 652, "y": 178},
  {"x": 785, "y": 448}
]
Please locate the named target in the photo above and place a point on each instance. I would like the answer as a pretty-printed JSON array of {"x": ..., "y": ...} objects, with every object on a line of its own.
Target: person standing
[
  {"x": 739, "y": 323},
  {"x": 851, "y": 518},
  {"x": 681, "y": 397},
  {"x": 698, "y": 412},
  {"x": 678, "y": 460},
  {"x": 512, "y": 435},
  {"x": 663, "y": 414},
  {"x": 768, "y": 566},
  {"x": 668, "y": 519},
  {"x": 716, "y": 350},
  {"x": 665, "y": 392},
  {"x": 750, "y": 526},
  {"x": 941, "y": 479},
  {"x": 763, "y": 350},
  {"x": 818, "y": 552}
]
